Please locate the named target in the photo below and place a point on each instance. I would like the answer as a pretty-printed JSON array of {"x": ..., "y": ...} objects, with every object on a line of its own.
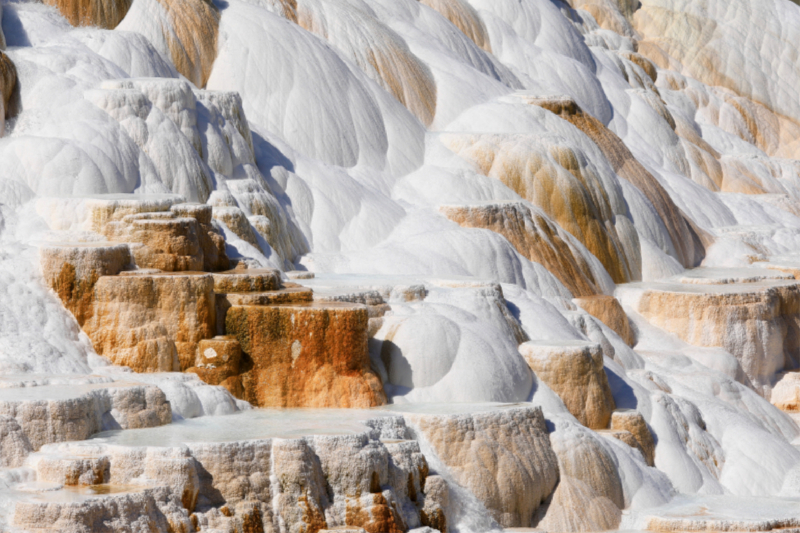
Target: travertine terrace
[{"x": 390, "y": 266}]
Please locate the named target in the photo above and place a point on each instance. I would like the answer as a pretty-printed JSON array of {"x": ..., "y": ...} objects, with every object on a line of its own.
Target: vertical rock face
[
  {"x": 608, "y": 310},
  {"x": 634, "y": 423},
  {"x": 152, "y": 322},
  {"x": 305, "y": 355},
  {"x": 102, "y": 13},
  {"x": 72, "y": 270},
  {"x": 756, "y": 322},
  {"x": 504, "y": 457},
  {"x": 536, "y": 237},
  {"x": 574, "y": 370},
  {"x": 13, "y": 442}
]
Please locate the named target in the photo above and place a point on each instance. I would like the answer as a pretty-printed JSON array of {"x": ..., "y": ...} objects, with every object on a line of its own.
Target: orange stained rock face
[
  {"x": 102, "y": 13},
  {"x": 556, "y": 179},
  {"x": 687, "y": 239},
  {"x": 72, "y": 270},
  {"x": 8, "y": 81},
  {"x": 534, "y": 236},
  {"x": 192, "y": 37},
  {"x": 305, "y": 355},
  {"x": 608, "y": 310},
  {"x": 152, "y": 322},
  {"x": 218, "y": 361},
  {"x": 574, "y": 370}
]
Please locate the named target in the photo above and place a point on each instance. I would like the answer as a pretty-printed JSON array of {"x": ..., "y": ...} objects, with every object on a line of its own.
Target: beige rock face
[
  {"x": 535, "y": 236},
  {"x": 102, "y": 13},
  {"x": 13, "y": 442},
  {"x": 786, "y": 394},
  {"x": 757, "y": 322},
  {"x": 152, "y": 322},
  {"x": 608, "y": 310},
  {"x": 574, "y": 370},
  {"x": 437, "y": 499},
  {"x": 237, "y": 222},
  {"x": 634, "y": 423},
  {"x": 305, "y": 355},
  {"x": 589, "y": 496},
  {"x": 72, "y": 270},
  {"x": 33, "y": 417},
  {"x": 503, "y": 457},
  {"x": 219, "y": 363}
]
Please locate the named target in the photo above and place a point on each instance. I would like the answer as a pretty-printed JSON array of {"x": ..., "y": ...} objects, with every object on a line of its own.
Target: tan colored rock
[
  {"x": 437, "y": 500},
  {"x": 249, "y": 280},
  {"x": 558, "y": 180},
  {"x": 589, "y": 496},
  {"x": 218, "y": 363},
  {"x": 465, "y": 18},
  {"x": 689, "y": 241},
  {"x": 72, "y": 270},
  {"x": 117, "y": 509},
  {"x": 13, "y": 443},
  {"x": 535, "y": 236},
  {"x": 152, "y": 322},
  {"x": 101, "y": 13},
  {"x": 758, "y": 322},
  {"x": 236, "y": 221},
  {"x": 60, "y": 413},
  {"x": 574, "y": 370},
  {"x": 163, "y": 241},
  {"x": 504, "y": 457},
  {"x": 287, "y": 295},
  {"x": 608, "y": 310},
  {"x": 786, "y": 393},
  {"x": 622, "y": 436},
  {"x": 634, "y": 422},
  {"x": 306, "y": 355},
  {"x": 212, "y": 244}
]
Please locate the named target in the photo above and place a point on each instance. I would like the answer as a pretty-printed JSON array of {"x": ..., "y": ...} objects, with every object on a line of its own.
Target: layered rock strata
[{"x": 574, "y": 370}]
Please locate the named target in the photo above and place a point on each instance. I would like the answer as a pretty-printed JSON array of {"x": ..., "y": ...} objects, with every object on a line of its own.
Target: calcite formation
[
  {"x": 786, "y": 393},
  {"x": 72, "y": 271},
  {"x": 574, "y": 370},
  {"x": 33, "y": 417},
  {"x": 152, "y": 322},
  {"x": 686, "y": 238},
  {"x": 102, "y": 13},
  {"x": 634, "y": 423},
  {"x": 511, "y": 486},
  {"x": 186, "y": 32},
  {"x": 312, "y": 355},
  {"x": 536, "y": 237},
  {"x": 757, "y": 322},
  {"x": 608, "y": 310},
  {"x": 347, "y": 480}
]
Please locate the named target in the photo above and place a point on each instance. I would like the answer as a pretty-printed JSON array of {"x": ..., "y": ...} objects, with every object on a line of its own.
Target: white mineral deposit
[{"x": 389, "y": 266}]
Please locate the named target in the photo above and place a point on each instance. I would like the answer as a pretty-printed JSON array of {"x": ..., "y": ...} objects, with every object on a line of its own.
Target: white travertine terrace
[{"x": 539, "y": 260}]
